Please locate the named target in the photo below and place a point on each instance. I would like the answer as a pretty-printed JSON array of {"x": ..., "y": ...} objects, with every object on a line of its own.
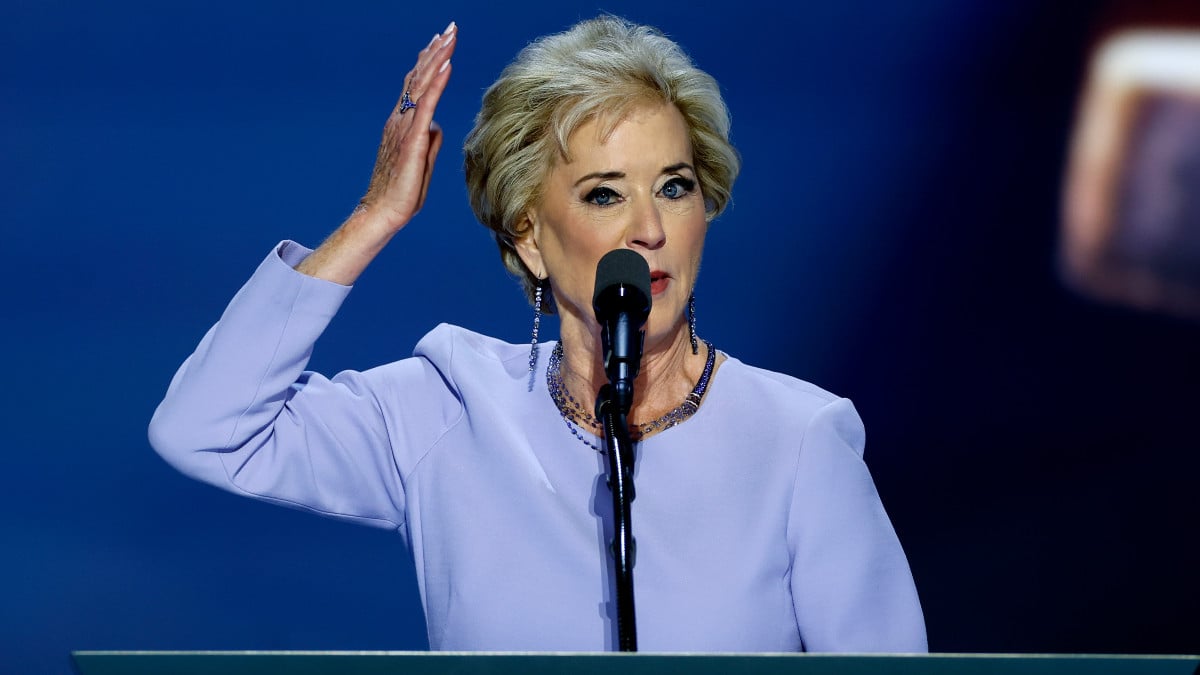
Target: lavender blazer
[{"x": 758, "y": 524}]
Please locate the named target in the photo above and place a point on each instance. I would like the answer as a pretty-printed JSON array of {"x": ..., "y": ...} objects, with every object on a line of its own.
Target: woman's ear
[{"x": 527, "y": 245}]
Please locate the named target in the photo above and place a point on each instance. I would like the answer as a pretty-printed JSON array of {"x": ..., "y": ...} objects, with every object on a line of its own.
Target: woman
[{"x": 758, "y": 525}]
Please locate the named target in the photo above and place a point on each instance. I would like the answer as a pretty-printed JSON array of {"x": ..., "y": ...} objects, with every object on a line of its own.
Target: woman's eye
[
  {"x": 678, "y": 187},
  {"x": 602, "y": 196}
]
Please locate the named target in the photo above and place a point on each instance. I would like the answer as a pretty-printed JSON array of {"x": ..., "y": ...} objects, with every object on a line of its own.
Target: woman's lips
[{"x": 659, "y": 282}]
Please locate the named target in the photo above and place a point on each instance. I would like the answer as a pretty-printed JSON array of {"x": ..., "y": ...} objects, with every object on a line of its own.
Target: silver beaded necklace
[{"x": 576, "y": 416}]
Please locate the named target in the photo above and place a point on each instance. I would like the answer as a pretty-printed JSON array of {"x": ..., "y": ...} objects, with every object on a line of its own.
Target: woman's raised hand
[
  {"x": 403, "y": 167},
  {"x": 411, "y": 139}
]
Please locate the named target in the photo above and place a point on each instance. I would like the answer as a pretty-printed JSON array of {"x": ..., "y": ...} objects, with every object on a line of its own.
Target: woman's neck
[{"x": 669, "y": 370}]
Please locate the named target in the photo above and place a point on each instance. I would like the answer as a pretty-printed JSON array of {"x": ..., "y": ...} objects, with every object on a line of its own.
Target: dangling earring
[
  {"x": 691, "y": 310},
  {"x": 537, "y": 323}
]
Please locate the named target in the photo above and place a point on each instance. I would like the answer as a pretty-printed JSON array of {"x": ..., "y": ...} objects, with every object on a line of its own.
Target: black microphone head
[{"x": 622, "y": 276}]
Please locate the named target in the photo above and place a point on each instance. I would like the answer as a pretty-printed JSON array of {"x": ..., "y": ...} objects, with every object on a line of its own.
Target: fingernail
[
  {"x": 445, "y": 64},
  {"x": 433, "y": 40},
  {"x": 450, "y": 28},
  {"x": 448, "y": 39}
]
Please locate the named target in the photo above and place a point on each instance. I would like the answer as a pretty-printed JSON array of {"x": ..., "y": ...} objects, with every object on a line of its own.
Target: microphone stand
[
  {"x": 619, "y": 449},
  {"x": 622, "y": 306}
]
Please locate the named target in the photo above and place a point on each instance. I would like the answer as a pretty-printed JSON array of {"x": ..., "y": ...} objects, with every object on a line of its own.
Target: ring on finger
[{"x": 406, "y": 103}]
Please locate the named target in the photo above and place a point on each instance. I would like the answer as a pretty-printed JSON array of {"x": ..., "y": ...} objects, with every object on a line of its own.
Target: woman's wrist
[{"x": 348, "y": 251}]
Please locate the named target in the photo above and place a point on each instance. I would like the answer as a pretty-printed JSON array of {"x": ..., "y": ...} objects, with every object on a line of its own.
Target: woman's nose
[{"x": 646, "y": 231}]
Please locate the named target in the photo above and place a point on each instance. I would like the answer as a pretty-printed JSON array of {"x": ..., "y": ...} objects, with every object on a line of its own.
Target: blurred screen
[{"x": 1132, "y": 222}]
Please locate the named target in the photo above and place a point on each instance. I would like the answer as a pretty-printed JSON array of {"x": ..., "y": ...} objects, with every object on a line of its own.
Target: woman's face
[{"x": 635, "y": 189}]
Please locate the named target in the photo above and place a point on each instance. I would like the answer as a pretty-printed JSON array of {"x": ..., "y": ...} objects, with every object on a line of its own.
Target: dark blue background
[{"x": 892, "y": 238}]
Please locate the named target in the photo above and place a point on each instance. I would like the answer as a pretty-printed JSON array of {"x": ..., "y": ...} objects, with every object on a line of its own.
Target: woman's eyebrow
[
  {"x": 601, "y": 174},
  {"x": 606, "y": 175}
]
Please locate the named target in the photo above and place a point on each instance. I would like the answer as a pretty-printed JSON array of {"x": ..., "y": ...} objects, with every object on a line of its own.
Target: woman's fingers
[
  {"x": 426, "y": 92},
  {"x": 431, "y": 65},
  {"x": 429, "y": 60},
  {"x": 431, "y": 94}
]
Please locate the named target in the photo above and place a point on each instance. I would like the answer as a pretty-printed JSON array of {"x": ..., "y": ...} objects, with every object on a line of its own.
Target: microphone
[{"x": 622, "y": 304}]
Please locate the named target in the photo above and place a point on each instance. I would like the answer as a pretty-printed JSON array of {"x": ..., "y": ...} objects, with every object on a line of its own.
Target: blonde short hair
[{"x": 599, "y": 69}]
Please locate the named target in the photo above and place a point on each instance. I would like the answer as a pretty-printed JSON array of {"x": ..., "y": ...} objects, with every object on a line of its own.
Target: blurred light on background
[{"x": 1131, "y": 226}]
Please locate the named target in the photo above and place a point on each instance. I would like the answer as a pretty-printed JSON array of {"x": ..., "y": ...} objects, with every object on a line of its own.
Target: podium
[{"x": 543, "y": 663}]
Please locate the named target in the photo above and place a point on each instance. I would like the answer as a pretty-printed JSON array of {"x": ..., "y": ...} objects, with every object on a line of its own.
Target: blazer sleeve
[
  {"x": 242, "y": 413},
  {"x": 852, "y": 589}
]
